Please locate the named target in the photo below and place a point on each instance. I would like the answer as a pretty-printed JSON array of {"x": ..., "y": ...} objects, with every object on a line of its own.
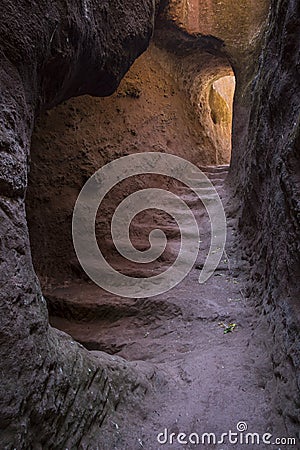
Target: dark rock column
[{"x": 266, "y": 174}]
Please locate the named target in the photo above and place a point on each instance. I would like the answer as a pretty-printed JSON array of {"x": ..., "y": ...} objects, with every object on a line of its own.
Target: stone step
[{"x": 214, "y": 169}]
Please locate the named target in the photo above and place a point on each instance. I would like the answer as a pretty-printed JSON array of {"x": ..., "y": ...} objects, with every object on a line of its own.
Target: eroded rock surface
[
  {"x": 266, "y": 174},
  {"x": 166, "y": 102},
  {"x": 51, "y": 51}
]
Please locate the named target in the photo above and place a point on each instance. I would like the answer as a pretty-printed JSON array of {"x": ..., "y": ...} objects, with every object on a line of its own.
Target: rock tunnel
[{"x": 82, "y": 85}]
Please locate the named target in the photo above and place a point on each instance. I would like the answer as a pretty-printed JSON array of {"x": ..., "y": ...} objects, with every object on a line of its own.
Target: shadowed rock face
[
  {"x": 266, "y": 174},
  {"x": 49, "y": 52},
  {"x": 64, "y": 49}
]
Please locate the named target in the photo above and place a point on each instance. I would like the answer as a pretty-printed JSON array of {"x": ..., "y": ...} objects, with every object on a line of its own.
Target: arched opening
[
  {"x": 214, "y": 90},
  {"x": 221, "y": 94},
  {"x": 168, "y": 102}
]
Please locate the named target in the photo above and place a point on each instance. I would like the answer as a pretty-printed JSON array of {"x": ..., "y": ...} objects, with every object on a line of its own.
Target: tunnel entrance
[
  {"x": 212, "y": 93},
  {"x": 221, "y": 94},
  {"x": 153, "y": 110}
]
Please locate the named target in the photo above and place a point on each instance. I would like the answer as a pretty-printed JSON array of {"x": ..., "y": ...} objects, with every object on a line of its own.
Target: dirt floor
[{"x": 208, "y": 380}]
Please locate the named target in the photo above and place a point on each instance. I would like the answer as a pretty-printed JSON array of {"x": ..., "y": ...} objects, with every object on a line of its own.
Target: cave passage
[
  {"x": 221, "y": 96},
  {"x": 200, "y": 335},
  {"x": 153, "y": 110},
  {"x": 187, "y": 112}
]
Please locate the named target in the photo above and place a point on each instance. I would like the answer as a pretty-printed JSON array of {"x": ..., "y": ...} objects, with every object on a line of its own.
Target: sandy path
[{"x": 210, "y": 381}]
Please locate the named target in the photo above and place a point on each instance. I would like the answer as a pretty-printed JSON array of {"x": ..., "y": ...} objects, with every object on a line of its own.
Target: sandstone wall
[
  {"x": 266, "y": 175},
  {"x": 238, "y": 24}
]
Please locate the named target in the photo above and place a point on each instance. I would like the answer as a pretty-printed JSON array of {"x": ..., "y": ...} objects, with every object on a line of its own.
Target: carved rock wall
[{"x": 50, "y": 51}]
